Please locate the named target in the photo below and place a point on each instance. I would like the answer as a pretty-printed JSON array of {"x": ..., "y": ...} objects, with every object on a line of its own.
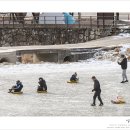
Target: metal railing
[{"x": 57, "y": 21}]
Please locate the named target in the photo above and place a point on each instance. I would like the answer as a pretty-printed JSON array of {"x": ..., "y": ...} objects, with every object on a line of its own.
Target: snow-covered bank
[
  {"x": 63, "y": 99},
  {"x": 121, "y": 35},
  {"x": 113, "y": 55}
]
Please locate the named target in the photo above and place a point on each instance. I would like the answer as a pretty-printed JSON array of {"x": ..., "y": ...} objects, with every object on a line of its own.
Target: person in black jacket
[
  {"x": 123, "y": 64},
  {"x": 74, "y": 77},
  {"x": 42, "y": 85},
  {"x": 97, "y": 93}
]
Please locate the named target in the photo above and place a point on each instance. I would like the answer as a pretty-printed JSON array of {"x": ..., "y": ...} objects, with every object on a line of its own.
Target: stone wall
[{"x": 46, "y": 36}]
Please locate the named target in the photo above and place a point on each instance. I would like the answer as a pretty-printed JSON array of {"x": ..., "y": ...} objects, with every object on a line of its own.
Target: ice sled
[
  {"x": 41, "y": 91},
  {"x": 73, "y": 81},
  {"x": 119, "y": 100},
  {"x": 17, "y": 92}
]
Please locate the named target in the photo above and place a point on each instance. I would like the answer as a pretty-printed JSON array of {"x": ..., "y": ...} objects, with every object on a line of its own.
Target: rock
[
  {"x": 117, "y": 49},
  {"x": 115, "y": 53},
  {"x": 128, "y": 57},
  {"x": 128, "y": 50},
  {"x": 99, "y": 57}
]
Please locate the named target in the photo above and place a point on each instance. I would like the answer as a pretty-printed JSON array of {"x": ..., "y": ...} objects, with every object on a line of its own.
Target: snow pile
[
  {"x": 124, "y": 34},
  {"x": 121, "y": 35},
  {"x": 113, "y": 55},
  {"x": 125, "y": 49},
  {"x": 103, "y": 55}
]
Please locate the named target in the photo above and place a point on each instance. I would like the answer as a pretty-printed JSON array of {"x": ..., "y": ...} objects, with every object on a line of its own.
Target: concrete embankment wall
[
  {"x": 8, "y": 57},
  {"x": 37, "y": 56}
]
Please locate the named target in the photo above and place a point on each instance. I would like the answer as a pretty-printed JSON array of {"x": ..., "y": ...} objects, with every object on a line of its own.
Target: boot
[
  {"x": 123, "y": 82},
  {"x": 126, "y": 81},
  {"x": 101, "y": 104},
  {"x": 93, "y": 104}
]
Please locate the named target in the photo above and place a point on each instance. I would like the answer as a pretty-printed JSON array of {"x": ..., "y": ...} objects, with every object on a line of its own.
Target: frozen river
[{"x": 63, "y": 99}]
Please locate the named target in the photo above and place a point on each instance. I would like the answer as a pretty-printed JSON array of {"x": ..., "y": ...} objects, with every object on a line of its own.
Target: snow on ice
[{"x": 64, "y": 99}]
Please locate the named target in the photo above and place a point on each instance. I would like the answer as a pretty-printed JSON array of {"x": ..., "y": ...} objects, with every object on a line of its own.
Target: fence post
[
  {"x": 44, "y": 19},
  {"x": 103, "y": 22},
  {"x": 97, "y": 22},
  {"x": 115, "y": 24},
  {"x": 91, "y": 22},
  {"x": 55, "y": 20},
  {"x": 67, "y": 22},
  {"x": 79, "y": 18},
  {"x": 79, "y": 22},
  {"x": 34, "y": 22}
]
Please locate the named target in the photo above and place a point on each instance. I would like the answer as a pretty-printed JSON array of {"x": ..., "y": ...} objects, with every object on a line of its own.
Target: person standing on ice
[
  {"x": 97, "y": 93},
  {"x": 123, "y": 63}
]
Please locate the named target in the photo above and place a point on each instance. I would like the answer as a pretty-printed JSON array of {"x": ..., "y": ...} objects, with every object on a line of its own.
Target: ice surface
[{"x": 63, "y": 99}]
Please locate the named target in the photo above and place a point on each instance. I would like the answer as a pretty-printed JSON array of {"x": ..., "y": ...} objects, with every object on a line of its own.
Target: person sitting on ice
[
  {"x": 42, "y": 85},
  {"x": 118, "y": 100},
  {"x": 16, "y": 88},
  {"x": 74, "y": 77}
]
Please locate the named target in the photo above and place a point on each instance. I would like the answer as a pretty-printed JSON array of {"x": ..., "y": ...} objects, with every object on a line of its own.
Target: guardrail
[{"x": 57, "y": 21}]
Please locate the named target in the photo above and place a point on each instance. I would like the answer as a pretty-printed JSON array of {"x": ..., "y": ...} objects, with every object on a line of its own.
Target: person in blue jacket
[
  {"x": 16, "y": 88},
  {"x": 69, "y": 19}
]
